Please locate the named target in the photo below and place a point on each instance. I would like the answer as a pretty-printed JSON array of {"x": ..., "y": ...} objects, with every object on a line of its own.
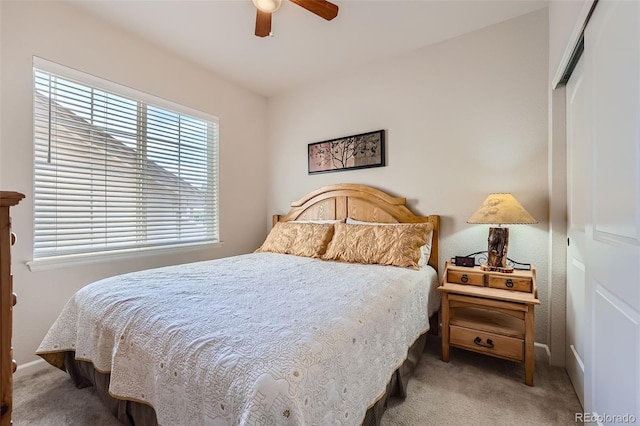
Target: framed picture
[{"x": 351, "y": 152}]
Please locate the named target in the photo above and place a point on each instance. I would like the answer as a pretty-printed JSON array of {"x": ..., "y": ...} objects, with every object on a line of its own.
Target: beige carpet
[{"x": 469, "y": 390}]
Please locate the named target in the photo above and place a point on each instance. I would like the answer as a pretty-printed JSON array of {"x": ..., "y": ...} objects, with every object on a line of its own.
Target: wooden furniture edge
[
  {"x": 7, "y": 301},
  {"x": 10, "y": 198},
  {"x": 494, "y": 293}
]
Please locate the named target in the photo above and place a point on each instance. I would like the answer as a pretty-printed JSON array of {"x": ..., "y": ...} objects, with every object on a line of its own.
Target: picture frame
[{"x": 361, "y": 151}]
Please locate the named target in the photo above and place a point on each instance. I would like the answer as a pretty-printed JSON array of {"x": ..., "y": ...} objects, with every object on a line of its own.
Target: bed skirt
[{"x": 135, "y": 413}]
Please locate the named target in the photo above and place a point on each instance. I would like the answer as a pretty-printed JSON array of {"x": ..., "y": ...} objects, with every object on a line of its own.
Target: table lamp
[{"x": 500, "y": 209}]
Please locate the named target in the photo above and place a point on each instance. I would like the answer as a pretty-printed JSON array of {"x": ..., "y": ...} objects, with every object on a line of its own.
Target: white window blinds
[{"x": 115, "y": 169}]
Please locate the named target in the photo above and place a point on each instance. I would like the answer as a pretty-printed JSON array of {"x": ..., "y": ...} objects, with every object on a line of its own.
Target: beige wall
[
  {"x": 63, "y": 34},
  {"x": 464, "y": 118}
]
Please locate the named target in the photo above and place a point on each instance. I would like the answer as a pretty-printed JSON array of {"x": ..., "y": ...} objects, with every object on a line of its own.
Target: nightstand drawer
[
  {"x": 511, "y": 283},
  {"x": 464, "y": 277},
  {"x": 489, "y": 343}
]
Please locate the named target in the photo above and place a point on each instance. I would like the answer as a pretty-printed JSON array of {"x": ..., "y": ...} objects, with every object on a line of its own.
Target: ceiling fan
[{"x": 322, "y": 8}]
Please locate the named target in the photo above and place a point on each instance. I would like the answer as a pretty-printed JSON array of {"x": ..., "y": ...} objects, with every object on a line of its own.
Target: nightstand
[{"x": 490, "y": 313}]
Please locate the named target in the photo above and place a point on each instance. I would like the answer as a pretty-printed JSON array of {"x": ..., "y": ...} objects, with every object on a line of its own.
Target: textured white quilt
[{"x": 262, "y": 338}]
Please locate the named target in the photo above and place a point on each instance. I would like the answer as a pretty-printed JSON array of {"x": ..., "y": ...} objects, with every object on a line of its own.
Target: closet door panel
[{"x": 612, "y": 69}]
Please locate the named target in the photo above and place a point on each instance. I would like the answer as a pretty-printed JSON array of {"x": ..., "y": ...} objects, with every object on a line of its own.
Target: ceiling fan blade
[
  {"x": 322, "y": 8},
  {"x": 263, "y": 23}
]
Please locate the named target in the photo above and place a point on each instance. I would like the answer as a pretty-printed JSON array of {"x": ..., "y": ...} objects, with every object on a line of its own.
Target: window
[{"x": 116, "y": 169}]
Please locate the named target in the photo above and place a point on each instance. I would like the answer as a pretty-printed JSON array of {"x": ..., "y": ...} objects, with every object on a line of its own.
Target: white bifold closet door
[{"x": 610, "y": 195}]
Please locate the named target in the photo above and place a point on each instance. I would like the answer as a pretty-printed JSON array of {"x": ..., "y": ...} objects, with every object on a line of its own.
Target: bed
[{"x": 321, "y": 325}]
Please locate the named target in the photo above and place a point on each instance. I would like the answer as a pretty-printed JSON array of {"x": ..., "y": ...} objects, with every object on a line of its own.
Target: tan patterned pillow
[
  {"x": 396, "y": 244},
  {"x": 300, "y": 239}
]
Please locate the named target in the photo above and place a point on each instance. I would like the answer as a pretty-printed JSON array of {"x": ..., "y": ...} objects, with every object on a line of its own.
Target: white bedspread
[{"x": 262, "y": 338}]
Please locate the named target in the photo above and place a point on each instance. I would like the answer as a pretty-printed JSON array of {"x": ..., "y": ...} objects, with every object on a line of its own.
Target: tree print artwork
[{"x": 351, "y": 152}]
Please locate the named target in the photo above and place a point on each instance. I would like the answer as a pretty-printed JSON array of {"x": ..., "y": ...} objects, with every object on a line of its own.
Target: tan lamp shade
[{"x": 501, "y": 209}]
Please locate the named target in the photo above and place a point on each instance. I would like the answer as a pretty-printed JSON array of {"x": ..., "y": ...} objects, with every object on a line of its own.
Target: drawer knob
[
  {"x": 509, "y": 283},
  {"x": 478, "y": 341},
  {"x": 464, "y": 278}
]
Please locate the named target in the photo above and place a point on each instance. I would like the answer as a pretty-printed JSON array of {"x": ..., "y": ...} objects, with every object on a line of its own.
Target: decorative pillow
[
  {"x": 396, "y": 244},
  {"x": 300, "y": 239},
  {"x": 425, "y": 250}
]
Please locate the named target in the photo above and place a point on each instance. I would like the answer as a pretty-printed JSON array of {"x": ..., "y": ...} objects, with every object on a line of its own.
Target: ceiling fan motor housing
[{"x": 321, "y": 8}]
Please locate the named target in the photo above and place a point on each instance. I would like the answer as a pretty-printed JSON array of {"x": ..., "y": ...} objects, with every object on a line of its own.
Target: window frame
[{"x": 60, "y": 260}]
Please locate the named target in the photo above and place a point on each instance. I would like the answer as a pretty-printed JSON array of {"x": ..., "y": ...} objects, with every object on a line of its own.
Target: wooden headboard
[{"x": 360, "y": 202}]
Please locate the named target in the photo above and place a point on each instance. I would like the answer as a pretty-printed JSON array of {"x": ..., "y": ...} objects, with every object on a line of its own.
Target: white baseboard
[
  {"x": 542, "y": 350},
  {"x": 30, "y": 368}
]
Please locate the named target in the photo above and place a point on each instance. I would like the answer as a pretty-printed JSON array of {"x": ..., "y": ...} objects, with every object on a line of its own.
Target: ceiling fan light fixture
[
  {"x": 268, "y": 6},
  {"x": 265, "y": 8}
]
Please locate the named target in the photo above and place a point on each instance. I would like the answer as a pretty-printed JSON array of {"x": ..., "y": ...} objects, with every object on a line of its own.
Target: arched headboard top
[{"x": 360, "y": 202}]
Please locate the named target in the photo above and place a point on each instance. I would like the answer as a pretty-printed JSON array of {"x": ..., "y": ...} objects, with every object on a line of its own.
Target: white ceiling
[{"x": 218, "y": 34}]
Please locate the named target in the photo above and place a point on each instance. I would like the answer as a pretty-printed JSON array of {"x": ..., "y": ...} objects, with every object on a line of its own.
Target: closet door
[
  {"x": 578, "y": 213},
  {"x": 612, "y": 72}
]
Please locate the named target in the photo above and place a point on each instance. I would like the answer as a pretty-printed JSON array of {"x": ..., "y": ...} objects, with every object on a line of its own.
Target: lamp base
[
  {"x": 498, "y": 244},
  {"x": 503, "y": 269}
]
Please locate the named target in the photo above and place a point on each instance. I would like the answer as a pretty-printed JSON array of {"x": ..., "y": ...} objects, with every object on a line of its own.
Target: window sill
[{"x": 58, "y": 262}]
